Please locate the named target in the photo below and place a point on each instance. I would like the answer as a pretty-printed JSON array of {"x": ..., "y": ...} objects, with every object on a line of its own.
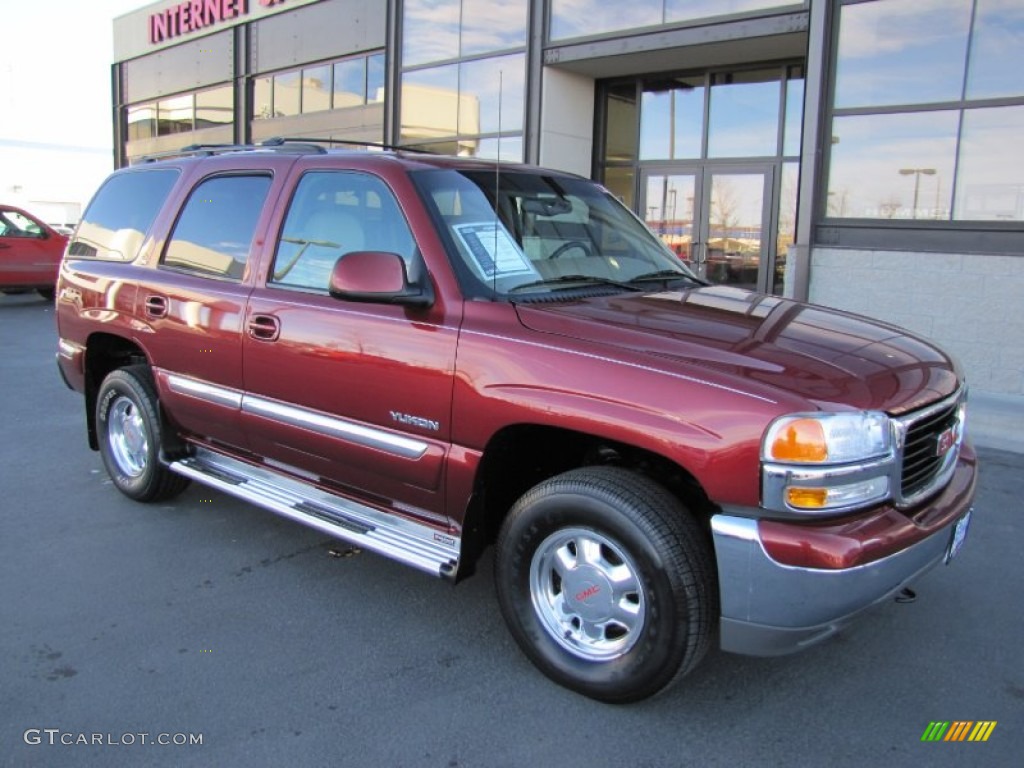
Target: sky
[{"x": 55, "y": 111}]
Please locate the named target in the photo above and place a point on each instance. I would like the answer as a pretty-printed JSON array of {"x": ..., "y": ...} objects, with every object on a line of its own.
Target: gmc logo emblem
[
  {"x": 586, "y": 593},
  {"x": 945, "y": 441}
]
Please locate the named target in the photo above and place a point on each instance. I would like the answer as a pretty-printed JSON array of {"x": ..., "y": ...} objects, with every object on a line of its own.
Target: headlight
[
  {"x": 832, "y": 438},
  {"x": 826, "y": 462}
]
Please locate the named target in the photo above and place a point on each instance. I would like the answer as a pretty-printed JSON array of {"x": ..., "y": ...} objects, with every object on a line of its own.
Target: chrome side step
[{"x": 406, "y": 541}]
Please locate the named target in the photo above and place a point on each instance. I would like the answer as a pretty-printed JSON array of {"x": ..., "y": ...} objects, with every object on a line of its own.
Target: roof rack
[
  {"x": 206, "y": 150},
  {"x": 298, "y": 145},
  {"x": 280, "y": 141}
]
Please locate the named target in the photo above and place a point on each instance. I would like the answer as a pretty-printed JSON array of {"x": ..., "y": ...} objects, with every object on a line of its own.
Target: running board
[{"x": 398, "y": 538}]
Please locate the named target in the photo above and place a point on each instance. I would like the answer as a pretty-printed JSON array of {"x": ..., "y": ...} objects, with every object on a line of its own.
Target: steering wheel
[{"x": 569, "y": 245}]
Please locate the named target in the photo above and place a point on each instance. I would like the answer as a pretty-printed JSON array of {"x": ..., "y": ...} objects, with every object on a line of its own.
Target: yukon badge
[{"x": 415, "y": 421}]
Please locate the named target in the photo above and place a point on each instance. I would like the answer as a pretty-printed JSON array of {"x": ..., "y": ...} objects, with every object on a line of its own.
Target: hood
[{"x": 831, "y": 358}]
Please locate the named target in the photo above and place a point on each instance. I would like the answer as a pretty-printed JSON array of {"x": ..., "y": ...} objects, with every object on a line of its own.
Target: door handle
[
  {"x": 156, "y": 306},
  {"x": 264, "y": 327}
]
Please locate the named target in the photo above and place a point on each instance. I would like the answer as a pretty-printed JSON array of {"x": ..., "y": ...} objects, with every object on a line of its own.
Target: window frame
[
  {"x": 161, "y": 262},
  {"x": 945, "y": 235}
]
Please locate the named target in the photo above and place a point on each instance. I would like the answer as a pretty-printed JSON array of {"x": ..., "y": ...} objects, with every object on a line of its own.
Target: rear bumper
[{"x": 770, "y": 607}]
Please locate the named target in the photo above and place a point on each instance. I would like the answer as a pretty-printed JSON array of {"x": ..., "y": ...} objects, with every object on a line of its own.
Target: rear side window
[
  {"x": 214, "y": 233},
  {"x": 117, "y": 220}
]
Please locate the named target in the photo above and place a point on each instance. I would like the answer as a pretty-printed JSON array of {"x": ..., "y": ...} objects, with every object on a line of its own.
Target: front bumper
[{"x": 773, "y": 605}]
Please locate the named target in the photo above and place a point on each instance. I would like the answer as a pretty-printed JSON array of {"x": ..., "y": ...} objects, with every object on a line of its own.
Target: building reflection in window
[
  {"x": 990, "y": 182},
  {"x": 914, "y": 80},
  {"x": 996, "y": 67},
  {"x": 744, "y": 115},
  {"x": 672, "y": 118},
  {"x": 580, "y": 18},
  {"x": 443, "y": 30},
  {"x": 870, "y": 151}
]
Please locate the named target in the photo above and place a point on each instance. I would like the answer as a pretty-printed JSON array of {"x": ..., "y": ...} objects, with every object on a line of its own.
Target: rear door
[
  {"x": 193, "y": 303},
  {"x": 355, "y": 396}
]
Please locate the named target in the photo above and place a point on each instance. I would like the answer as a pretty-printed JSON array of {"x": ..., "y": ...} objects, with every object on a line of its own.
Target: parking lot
[{"x": 278, "y": 646}]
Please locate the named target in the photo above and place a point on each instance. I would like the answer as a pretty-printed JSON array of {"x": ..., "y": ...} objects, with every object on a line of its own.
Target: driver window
[
  {"x": 333, "y": 213},
  {"x": 13, "y": 224}
]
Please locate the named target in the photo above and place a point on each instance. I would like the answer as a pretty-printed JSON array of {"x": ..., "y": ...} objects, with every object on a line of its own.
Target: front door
[
  {"x": 353, "y": 396},
  {"x": 717, "y": 219}
]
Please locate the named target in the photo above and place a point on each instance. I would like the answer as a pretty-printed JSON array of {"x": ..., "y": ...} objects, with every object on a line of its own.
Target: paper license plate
[{"x": 959, "y": 534}]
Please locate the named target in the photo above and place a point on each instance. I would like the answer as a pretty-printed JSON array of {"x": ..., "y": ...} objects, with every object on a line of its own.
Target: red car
[{"x": 30, "y": 253}]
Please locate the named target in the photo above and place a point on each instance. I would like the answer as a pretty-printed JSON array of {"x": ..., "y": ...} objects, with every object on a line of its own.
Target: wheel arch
[
  {"x": 104, "y": 353},
  {"x": 520, "y": 456}
]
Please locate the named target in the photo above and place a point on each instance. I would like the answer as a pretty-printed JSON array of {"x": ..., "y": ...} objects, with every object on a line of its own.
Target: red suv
[
  {"x": 427, "y": 356},
  {"x": 30, "y": 253}
]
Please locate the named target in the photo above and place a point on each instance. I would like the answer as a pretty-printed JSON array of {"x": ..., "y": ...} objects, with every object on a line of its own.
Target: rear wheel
[
  {"x": 129, "y": 430},
  {"x": 606, "y": 583}
]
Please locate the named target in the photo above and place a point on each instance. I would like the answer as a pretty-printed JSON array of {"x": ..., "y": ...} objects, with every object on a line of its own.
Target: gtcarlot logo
[{"x": 57, "y": 737}]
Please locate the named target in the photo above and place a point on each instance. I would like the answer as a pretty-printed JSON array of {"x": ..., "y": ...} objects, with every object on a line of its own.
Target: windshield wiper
[
  {"x": 667, "y": 274},
  {"x": 576, "y": 279}
]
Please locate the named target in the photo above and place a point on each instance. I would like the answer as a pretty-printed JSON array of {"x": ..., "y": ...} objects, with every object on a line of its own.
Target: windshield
[{"x": 546, "y": 233}]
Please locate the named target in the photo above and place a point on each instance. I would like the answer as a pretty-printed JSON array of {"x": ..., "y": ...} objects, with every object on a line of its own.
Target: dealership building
[{"x": 865, "y": 155}]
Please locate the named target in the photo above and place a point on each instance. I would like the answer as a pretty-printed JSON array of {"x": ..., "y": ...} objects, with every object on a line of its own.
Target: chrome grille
[{"x": 924, "y": 467}]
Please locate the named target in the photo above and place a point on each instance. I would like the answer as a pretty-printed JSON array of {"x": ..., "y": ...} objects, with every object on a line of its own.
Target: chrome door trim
[
  {"x": 330, "y": 426},
  {"x": 294, "y": 416}
]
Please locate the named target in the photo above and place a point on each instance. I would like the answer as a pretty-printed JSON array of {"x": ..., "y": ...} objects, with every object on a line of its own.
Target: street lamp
[{"x": 917, "y": 181}]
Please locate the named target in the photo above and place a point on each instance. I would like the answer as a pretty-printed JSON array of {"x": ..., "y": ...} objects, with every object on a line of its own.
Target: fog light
[{"x": 838, "y": 496}]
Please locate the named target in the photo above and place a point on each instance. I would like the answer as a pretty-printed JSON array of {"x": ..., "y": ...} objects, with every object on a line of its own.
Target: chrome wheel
[
  {"x": 587, "y": 594},
  {"x": 126, "y": 431}
]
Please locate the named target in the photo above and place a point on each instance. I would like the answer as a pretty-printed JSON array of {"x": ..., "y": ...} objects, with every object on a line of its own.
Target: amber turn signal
[{"x": 800, "y": 440}]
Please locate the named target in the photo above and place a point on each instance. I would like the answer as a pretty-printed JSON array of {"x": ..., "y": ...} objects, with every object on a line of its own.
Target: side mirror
[{"x": 377, "y": 277}]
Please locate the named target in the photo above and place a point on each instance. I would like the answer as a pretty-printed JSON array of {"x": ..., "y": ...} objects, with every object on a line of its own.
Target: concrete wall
[
  {"x": 567, "y": 121},
  {"x": 971, "y": 304}
]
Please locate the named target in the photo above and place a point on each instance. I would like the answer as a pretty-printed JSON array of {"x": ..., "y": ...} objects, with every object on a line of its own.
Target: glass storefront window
[
  {"x": 620, "y": 182},
  {"x": 492, "y": 25},
  {"x": 430, "y": 103},
  {"x": 689, "y": 10},
  {"x": 316, "y": 88},
  {"x": 996, "y": 67},
  {"x": 287, "y": 88},
  {"x": 375, "y": 78},
  {"x": 901, "y": 52},
  {"x": 990, "y": 178},
  {"x": 262, "y": 98},
  {"x": 578, "y": 18},
  {"x": 489, "y": 87},
  {"x": 787, "y": 223},
  {"x": 215, "y": 107},
  {"x": 671, "y": 118},
  {"x": 141, "y": 122},
  {"x": 620, "y": 141},
  {"x": 430, "y": 31},
  {"x": 510, "y": 147},
  {"x": 174, "y": 115},
  {"x": 349, "y": 83},
  {"x": 744, "y": 115},
  {"x": 892, "y": 166},
  {"x": 793, "y": 128}
]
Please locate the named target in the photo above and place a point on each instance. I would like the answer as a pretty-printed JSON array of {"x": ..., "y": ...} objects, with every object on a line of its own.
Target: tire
[
  {"x": 47, "y": 293},
  {"x": 606, "y": 583},
  {"x": 128, "y": 426}
]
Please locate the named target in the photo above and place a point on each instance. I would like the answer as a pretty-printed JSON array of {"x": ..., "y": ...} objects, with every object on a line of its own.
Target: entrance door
[{"x": 716, "y": 219}]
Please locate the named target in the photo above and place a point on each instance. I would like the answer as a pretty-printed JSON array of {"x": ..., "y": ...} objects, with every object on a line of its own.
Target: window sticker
[{"x": 493, "y": 249}]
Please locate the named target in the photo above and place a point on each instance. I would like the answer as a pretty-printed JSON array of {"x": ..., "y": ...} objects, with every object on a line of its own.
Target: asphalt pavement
[{"x": 206, "y": 620}]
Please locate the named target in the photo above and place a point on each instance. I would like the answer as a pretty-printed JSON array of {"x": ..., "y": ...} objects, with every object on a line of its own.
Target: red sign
[{"x": 194, "y": 15}]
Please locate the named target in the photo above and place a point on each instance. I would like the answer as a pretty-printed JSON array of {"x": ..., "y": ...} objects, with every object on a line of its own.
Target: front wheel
[
  {"x": 606, "y": 582},
  {"x": 128, "y": 426}
]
